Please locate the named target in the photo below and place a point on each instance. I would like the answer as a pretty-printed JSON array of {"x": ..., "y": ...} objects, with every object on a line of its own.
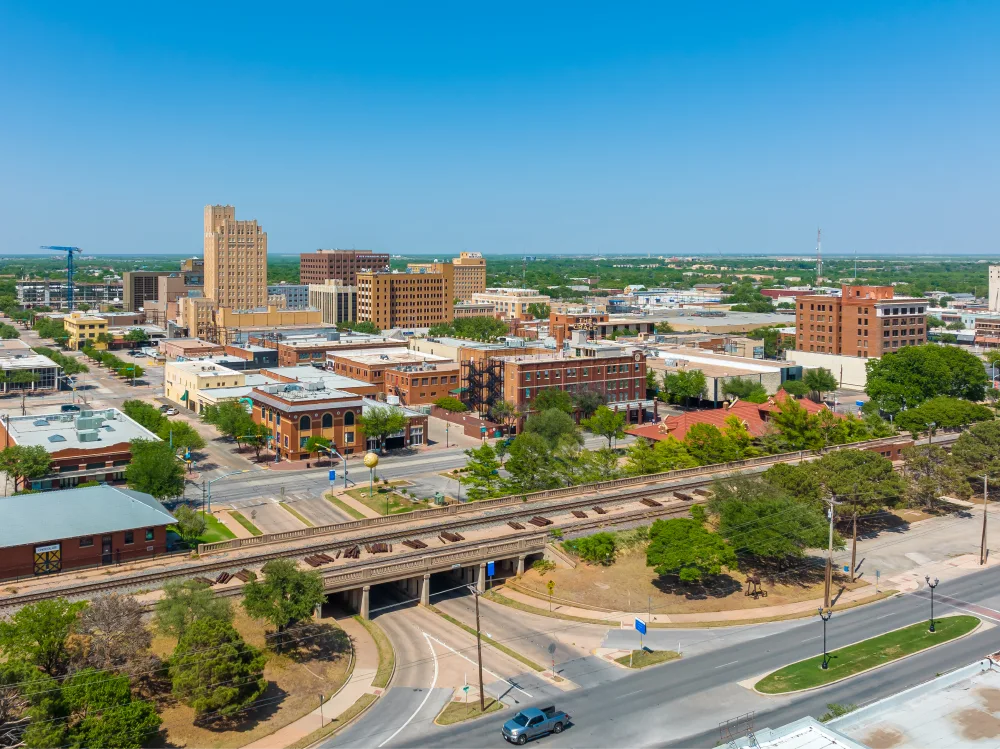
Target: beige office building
[
  {"x": 336, "y": 302},
  {"x": 417, "y": 299},
  {"x": 235, "y": 259},
  {"x": 511, "y": 304},
  {"x": 469, "y": 270}
]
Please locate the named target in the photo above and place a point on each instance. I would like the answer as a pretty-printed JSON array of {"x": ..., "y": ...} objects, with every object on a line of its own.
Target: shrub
[
  {"x": 448, "y": 403},
  {"x": 542, "y": 566},
  {"x": 698, "y": 513},
  {"x": 599, "y": 548}
]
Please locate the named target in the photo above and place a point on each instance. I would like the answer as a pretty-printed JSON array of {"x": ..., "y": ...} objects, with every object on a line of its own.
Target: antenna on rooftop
[{"x": 819, "y": 256}]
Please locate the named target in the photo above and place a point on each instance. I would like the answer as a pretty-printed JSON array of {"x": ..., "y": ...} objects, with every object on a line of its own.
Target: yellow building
[
  {"x": 183, "y": 380},
  {"x": 469, "y": 270},
  {"x": 197, "y": 314},
  {"x": 268, "y": 317},
  {"x": 84, "y": 329},
  {"x": 422, "y": 297},
  {"x": 511, "y": 304},
  {"x": 235, "y": 259}
]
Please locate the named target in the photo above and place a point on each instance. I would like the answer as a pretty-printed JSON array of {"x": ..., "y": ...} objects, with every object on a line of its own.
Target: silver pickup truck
[{"x": 532, "y": 722}]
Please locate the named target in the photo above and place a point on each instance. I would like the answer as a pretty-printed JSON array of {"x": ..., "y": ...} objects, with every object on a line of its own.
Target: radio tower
[{"x": 819, "y": 256}]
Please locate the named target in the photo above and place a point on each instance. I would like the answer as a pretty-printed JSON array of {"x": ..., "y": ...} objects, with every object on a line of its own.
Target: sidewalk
[
  {"x": 227, "y": 520},
  {"x": 904, "y": 583},
  {"x": 364, "y": 509},
  {"x": 360, "y": 683}
]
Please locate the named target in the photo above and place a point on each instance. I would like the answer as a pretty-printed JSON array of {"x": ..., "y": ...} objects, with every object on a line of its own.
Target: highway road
[{"x": 681, "y": 704}]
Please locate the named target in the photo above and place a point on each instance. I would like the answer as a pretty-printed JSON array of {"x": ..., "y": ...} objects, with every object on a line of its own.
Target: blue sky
[{"x": 505, "y": 128}]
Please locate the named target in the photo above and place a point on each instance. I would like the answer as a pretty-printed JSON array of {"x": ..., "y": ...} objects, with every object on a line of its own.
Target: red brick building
[
  {"x": 417, "y": 384},
  {"x": 317, "y": 267},
  {"x": 54, "y": 531}
]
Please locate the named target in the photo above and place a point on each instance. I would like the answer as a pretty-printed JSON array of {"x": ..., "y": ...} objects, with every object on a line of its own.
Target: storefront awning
[{"x": 185, "y": 396}]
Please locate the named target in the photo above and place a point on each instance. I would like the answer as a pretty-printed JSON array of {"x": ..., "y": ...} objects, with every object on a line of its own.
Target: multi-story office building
[
  {"x": 511, "y": 304},
  {"x": 407, "y": 300},
  {"x": 140, "y": 286},
  {"x": 235, "y": 259},
  {"x": 53, "y": 293},
  {"x": 84, "y": 329},
  {"x": 296, "y": 295},
  {"x": 424, "y": 383},
  {"x": 344, "y": 265},
  {"x": 469, "y": 270},
  {"x": 863, "y": 321},
  {"x": 336, "y": 301}
]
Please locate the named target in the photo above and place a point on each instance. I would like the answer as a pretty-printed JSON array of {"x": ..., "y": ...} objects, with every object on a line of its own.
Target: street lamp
[
  {"x": 825, "y": 615},
  {"x": 932, "y": 586},
  {"x": 446, "y": 425}
]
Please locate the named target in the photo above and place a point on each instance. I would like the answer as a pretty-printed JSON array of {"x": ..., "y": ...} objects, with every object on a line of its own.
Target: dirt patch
[
  {"x": 294, "y": 681},
  {"x": 884, "y": 738},
  {"x": 990, "y": 698},
  {"x": 977, "y": 724},
  {"x": 629, "y": 585}
]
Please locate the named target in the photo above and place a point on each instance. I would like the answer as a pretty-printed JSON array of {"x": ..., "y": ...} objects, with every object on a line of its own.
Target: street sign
[
  {"x": 859, "y": 404},
  {"x": 333, "y": 475},
  {"x": 490, "y": 568},
  {"x": 465, "y": 688},
  {"x": 482, "y": 430},
  {"x": 847, "y": 568},
  {"x": 640, "y": 626}
]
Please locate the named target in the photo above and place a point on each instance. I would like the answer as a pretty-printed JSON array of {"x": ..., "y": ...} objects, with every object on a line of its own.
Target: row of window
[{"x": 87, "y": 541}]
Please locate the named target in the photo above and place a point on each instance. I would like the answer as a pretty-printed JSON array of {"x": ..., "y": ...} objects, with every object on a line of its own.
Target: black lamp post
[
  {"x": 825, "y": 616},
  {"x": 932, "y": 586}
]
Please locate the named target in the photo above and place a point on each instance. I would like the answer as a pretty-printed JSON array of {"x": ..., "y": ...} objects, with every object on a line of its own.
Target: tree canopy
[
  {"x": 684, "y": 547},
  {"x": 745, "y": 389},
  {"x": 943, "y": 411},
  {"x": 37, "y": 634},
  {"x": 553, "y": 397},
  {"x": 684, "y": 385},
  {"x": 286, "y": 595},
  {"x": 154, "y": 469},
  {"x": 554, "y": 426},
  {"x": 906, "y": 378},
  {"x": 381, "y": 422},
  {"x": 606, "y": 423},
  {"x": 185, "y": 602}
]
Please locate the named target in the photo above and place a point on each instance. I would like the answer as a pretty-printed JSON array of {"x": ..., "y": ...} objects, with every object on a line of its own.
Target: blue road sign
[
  {"x": 859, "y": 404},
  {"x": 333, "y": 475},
  {"x": 490, "y": 568},
  {"x": 847, "y": 568},
  {"x": 640, "y": 626}
]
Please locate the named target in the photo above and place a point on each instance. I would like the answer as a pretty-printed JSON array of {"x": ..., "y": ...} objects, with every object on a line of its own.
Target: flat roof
[
  {"x": 205, "y": 367},
  {"x": 9, "y": 345},
  {"x": 465, "y": 343},
  {"x": 232, "y": 393},
  {"x": 190, "y": 342},
  {"x": 69, "y": 513},
  {"x": 312, "y": 374},
  {"x": 700, "y": 356},
  {"x": 63, "y": 431},
  {"x": 28, "y": 361},
  {"x": 387, "y": 356}
]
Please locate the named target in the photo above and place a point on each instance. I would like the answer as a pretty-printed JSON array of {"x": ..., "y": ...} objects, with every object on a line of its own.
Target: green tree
[
  {"x": 957, "y": 325},
  {"x": 586, "y": 402},
  {"x": 664, "y": 328},
  {"x": 256, "y": 436},
  {"x": 745, "y": 389},
  {"x": 554, "y": 426},
  {"x": 684, "y": 547},
  {"x": 154, "y": 469},
  {"x": 652, "y": 386},
  {"x": 606, "y": 423},
  {"x": 185, "y": 602},
  {"x": 943, "y": 411},
  {"x": 214, "y": 671},
  {"x": 796, "y": 428},
  {"x": 317, "y": 444},
  {"x": 230, "y": 418},
  {"x": 819, "y": 381},
  {"x": 145, "y": 414},
  {"x": 450, "y": 403},
  {"x": 38, "y": 634},
  {"x": 934, "y": 322},
  {"x": 136, "y": 336},
  {"x": 190, "y": 524},
  {"x": 908, "y": 377},
  {"x": 360, "y": 326},
  {"x": 24, "y": 463},
  {"x": 482, "y": 472},
  {"x": 800, "y": 481},
  {"x": 181, "y": 434},
  {"x": 707, "y": 445},
  {"x": 539, "y": 310},
  {"x": 553, "y": 397},
  {"x": 530, "y": 463},
  {"x": 685, "y": 385},
  {"x": 795, "y": 387},
  {"x": 380, "y": 422},
  {"x": 931, "y": 474},
  {"x": 599, "y": 548},
  {"x": 977, "y": 453},
  {"x": 285, "y": 596},
  {"x": 505, "y": 413}
]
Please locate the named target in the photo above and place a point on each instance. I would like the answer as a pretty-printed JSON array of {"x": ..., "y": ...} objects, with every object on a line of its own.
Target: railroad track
[{"x": 255, "y": 557}]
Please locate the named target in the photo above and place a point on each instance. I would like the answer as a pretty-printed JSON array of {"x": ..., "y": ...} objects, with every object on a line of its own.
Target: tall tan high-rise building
[
  {"x": 417, "y": 299},
  {"x": 469, "y": 271},
  {"x": 235, "y": 260}
]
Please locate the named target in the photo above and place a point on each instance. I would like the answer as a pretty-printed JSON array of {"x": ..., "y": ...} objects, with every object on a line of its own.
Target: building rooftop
[
  {"x": 84, "y": 430},
  {"x": 213, "y": 366},
  {"x": 327, "y": 378},
  {"x": 12, "y": 360},
  {"x": 69, "y": 513},
  {"x": 185, "y": 343},
  {"x": 345, "y": 339},
  {"x": 479, "y": 345},
  {"x": 389, "y": 356},
  {"x": 12, "y": 346},
  {"x": 295, "y": 397},
  {"x": 807, "y": 733}
]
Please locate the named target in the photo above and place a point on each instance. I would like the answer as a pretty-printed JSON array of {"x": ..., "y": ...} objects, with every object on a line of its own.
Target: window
[
  {"x": 86, "y": 541},
  {"x": 327, "y": 420},
  {"x": 129, "y": 537},
  {"x": 302, "y": 442},
  {"x": 305, "y": 423},
  {"x": 349, "y": 436},
  {"x": 527, "y": 376},
  {"x": 349, "y": 419},
  {"x": 149, "y": 534},
  {"x": 416, "y": 435}
]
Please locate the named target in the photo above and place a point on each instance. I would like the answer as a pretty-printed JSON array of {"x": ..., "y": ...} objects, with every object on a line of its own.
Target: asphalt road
[{"x": 681, "y": 703}]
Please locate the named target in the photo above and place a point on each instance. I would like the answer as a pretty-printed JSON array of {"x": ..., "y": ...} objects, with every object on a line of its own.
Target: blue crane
[{"x": 69, "y": 269}]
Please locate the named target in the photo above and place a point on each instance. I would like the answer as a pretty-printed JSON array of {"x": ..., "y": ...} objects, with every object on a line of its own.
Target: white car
[{"x": 172, "y": 412}]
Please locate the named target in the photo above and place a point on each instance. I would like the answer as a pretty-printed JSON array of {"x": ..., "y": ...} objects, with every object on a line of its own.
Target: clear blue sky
[{"x": 511, "y": 127}]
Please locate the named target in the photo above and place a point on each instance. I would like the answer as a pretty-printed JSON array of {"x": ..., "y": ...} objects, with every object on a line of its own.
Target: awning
[
  {"x": 458, "y": 391},
  {"x": 185, "y": 396}
]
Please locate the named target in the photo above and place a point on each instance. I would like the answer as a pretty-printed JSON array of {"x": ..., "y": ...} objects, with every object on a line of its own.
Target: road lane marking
[
  {"x": 628, "y": 695},
  {"x": 813, "y": 638},
  {"x": 424, "y": 700},
  {"x": 474, "y": 663},
  {"x": 885, "y": 615},
  {"x": 733, "y": 663}
]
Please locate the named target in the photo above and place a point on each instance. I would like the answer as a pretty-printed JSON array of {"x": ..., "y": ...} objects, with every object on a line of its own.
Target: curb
[{"x": 757, "y": 679}]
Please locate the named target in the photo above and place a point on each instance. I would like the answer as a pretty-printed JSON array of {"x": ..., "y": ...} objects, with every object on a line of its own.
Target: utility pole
[
  {"x": 982, "y": 544},
  {"x": 479, "y": 652}
]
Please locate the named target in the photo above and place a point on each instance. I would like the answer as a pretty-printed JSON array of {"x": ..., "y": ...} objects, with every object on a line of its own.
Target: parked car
[
  {"x": 171, "y": 412},
  {"x": 531, "y": 723},
  {"x": 164, "y": 409},
  {"x": 69, "y": 408}
]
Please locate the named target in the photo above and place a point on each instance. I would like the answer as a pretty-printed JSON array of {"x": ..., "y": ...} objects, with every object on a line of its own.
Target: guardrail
[{"x": 571, "y": 491}]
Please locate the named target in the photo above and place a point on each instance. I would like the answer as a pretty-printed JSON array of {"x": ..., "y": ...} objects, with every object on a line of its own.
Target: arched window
[
  {"x": 305, "y": 423},
  {"x": 349, "y": 419},
  {"x": 327, "y": 420}
]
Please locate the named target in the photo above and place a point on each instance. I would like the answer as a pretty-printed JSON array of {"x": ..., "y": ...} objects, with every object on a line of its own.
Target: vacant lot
[{"x": 629, "y": 585}]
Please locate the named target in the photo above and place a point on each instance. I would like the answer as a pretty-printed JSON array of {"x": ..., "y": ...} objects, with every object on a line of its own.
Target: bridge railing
[{"x": 569, "y": 491}]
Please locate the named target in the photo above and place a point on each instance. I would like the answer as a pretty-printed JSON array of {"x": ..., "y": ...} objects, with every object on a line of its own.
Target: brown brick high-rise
[{"x": 317, "y": 267}]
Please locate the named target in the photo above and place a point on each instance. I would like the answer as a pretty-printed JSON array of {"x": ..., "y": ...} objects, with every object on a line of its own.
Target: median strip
[
  {"x": 489, "y": 640},
  {"x": 238, "y": 517},
  {"x": 302, "y": 518},
  {"x": 866, "y": 655}
]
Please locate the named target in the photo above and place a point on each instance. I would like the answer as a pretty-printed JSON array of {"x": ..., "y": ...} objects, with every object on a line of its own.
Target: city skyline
[{"x": 668, "y": 131}]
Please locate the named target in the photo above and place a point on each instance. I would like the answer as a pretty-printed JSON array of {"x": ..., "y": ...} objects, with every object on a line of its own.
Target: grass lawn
[
  {"x": 865, "y": 655},
  {"x": 397, "y": 505},
  {"x": 238, "y": 517},
  {"x": 214, "y": 530},
  {"x": 345, "y": 507},
  {"x": 643, "y": 658},
  {"x": 298, "y": 515},
  {"x": 456, "y": 712},
  {"x": 386, "y": 655}
]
